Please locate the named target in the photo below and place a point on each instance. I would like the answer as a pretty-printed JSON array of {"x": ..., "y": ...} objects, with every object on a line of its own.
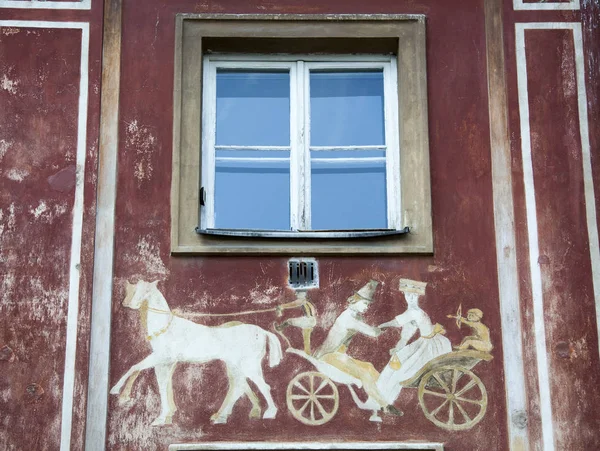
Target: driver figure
[{"x": 333, "y": 349}]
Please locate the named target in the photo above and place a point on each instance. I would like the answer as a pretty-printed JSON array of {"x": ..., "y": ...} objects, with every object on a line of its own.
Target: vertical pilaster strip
[
  {"x": 588, "y": 179},
  {"x": 75, "y": 261},
  {"x": 508, "y": 281},
  {"x": 543, "y": 364},
  {"x": 97, "y": 407},
  {"x": 537, "y": 293}
]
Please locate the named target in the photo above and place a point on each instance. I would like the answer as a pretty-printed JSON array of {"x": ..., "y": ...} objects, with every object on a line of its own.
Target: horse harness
[{"x": 162, "y": 330}]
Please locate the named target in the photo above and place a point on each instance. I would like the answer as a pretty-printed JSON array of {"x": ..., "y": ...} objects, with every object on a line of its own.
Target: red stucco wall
[
  {"x": 463, "y": 269},
  {"x": 39, "y": 179},
  {"x": 40, "y": 74}
]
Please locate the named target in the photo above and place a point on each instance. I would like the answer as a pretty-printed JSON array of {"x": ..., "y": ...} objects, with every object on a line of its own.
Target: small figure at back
[{"x": 480, "y": 340}]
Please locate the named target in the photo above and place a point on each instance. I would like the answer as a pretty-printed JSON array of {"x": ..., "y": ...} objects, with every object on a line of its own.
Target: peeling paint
[
  {"x": 17, "y": 175},
  {"x": 47, "y": 213},
  {"x": 4, "y": 146},
  {"x": 8, "y": 31},
  {"x": 149, "y": 254},
  {"x": 9, "y": 85},
  {"x": 10, "y": 221},
  {"x": 39, "y": 210},
  {"x": 7, "y": 354},
  {"x": 8, "y": 283},
  {"x": 261, "y": 296},
  {"x": 140, "y": 138},
  {"x": 40, "y": 301},
  {"x": 567, "y": 67}
]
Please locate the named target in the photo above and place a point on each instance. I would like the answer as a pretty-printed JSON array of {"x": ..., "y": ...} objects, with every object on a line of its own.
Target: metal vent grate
[{"x": 303, "y": 273}]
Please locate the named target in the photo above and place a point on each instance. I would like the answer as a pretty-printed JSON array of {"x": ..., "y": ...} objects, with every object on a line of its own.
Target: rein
[
  {"x": 145, "y": 309},
  {"x": 155, "y": 310},
  {"x": 247, "y": 312}
]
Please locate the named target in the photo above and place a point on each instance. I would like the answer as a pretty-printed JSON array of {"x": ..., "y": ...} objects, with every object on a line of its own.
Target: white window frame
[{"x": 299, "y": 67}]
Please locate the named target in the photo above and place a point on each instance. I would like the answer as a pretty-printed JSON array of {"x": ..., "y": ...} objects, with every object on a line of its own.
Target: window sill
[{"x": 315, "y": 234}]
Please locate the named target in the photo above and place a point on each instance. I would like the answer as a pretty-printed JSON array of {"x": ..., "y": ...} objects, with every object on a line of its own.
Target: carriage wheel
[
  {"x": 312, "y": 398},
  {"x": 453, "y": 398}
]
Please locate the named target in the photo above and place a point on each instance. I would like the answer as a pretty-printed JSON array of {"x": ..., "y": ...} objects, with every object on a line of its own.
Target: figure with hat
[
  {"x": 346, "y": 326},
  {"x": 480, "y": 340},
  {"x": 408, "y": 358}
]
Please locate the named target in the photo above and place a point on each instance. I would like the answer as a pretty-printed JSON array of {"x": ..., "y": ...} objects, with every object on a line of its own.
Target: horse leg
[
  {"x": 170, "y": 397},
  {"x": 256, "y": 375},
  {"x": 148, "y": 362},
  {"x": 125, "y": 395},
  {"x": 164, "y": 377},
  {"x": 255, "y": 411},
  {"x": 236, "y": 390}
]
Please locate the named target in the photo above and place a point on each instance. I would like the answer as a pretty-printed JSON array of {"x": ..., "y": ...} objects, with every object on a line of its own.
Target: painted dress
[{"x": 412, "y": 357}]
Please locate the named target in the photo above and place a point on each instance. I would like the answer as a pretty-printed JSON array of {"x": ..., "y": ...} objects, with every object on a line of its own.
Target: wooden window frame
[
  {"x": 299, "y": 67},
  {"x": 193, "y": 32}
]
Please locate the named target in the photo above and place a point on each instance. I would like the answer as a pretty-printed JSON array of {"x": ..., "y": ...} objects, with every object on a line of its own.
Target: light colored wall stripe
[
  {"x": 530, "y": 203},
  {"x": 532, "y": 230},
  {"x": 36, "y": 4},
  {"x": 508, "y": 278},
  {"x": 588, "y": 180},
  {"x": 546, "y": 6},
  {"x": 78, "y": 208},
  {"x": 75, "y": 259},
  {"x": 98, "y": 379}
]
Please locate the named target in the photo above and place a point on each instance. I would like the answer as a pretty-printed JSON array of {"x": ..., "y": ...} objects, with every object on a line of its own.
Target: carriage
[{"x": 451, "y": 396}]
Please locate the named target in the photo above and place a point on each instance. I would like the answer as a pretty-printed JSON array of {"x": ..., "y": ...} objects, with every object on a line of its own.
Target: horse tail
[{"x": 275, "y": 353}]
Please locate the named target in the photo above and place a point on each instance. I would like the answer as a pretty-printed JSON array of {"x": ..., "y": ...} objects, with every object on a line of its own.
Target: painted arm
[
  {"x": 467, "y": 322},
  {"x": 365, "y": 329},
  {"x": 461, "y": 319},
  {"x": 298, "y": 302},
  {"x": 399, "y": 321},
  {"x": 392, "y": 323},
  {"x": 408, "y": 330}
]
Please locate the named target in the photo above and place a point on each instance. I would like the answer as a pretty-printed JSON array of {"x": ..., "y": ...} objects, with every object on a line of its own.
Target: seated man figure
[{"x": 333, "y": 349}]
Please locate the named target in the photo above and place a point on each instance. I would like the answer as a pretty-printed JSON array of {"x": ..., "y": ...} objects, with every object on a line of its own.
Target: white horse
[{"x": 173, "y": 339}]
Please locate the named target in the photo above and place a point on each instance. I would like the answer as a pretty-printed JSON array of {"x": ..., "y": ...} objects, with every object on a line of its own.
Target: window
[
  {"x": 300, "y": 144},
  {"x": 292, "y": 135}
]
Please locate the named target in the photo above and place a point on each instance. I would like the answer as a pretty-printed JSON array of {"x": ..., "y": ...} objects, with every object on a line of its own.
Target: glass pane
[
  {"x": 226, "y": 153},
  {"x": 253, "y": 108},
  {"x": 251, "y": 192},
  {"x": 347, "y": 154},
  {"x": 348, "y": 194},
  {"x": 346, "y": 108}
]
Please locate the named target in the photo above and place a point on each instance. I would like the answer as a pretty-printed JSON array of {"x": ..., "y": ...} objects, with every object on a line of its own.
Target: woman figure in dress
[{"x": 407, "y": 359}]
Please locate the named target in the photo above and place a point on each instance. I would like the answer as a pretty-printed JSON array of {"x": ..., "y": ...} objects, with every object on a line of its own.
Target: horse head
[{"x": 136, "y": 295}]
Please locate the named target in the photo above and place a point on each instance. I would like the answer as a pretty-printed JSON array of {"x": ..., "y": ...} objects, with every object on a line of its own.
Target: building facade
[{"x": 253, "y": 224}]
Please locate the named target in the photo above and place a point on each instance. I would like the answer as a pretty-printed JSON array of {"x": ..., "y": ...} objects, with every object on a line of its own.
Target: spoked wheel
[
  {"x": 312, "y": 398},
  {"x": 453, "y": 398}
]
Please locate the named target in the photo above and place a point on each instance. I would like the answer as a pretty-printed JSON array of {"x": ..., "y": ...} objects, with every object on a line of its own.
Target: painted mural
[
  {"x": 450, "y": 394},
  {"x": 240, "y": 346}
]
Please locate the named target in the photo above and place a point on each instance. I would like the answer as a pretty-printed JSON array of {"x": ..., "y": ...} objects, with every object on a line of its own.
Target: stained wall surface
[
  {"x": 49, "y": 117},
  {"x": 538, "y": 293}
]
